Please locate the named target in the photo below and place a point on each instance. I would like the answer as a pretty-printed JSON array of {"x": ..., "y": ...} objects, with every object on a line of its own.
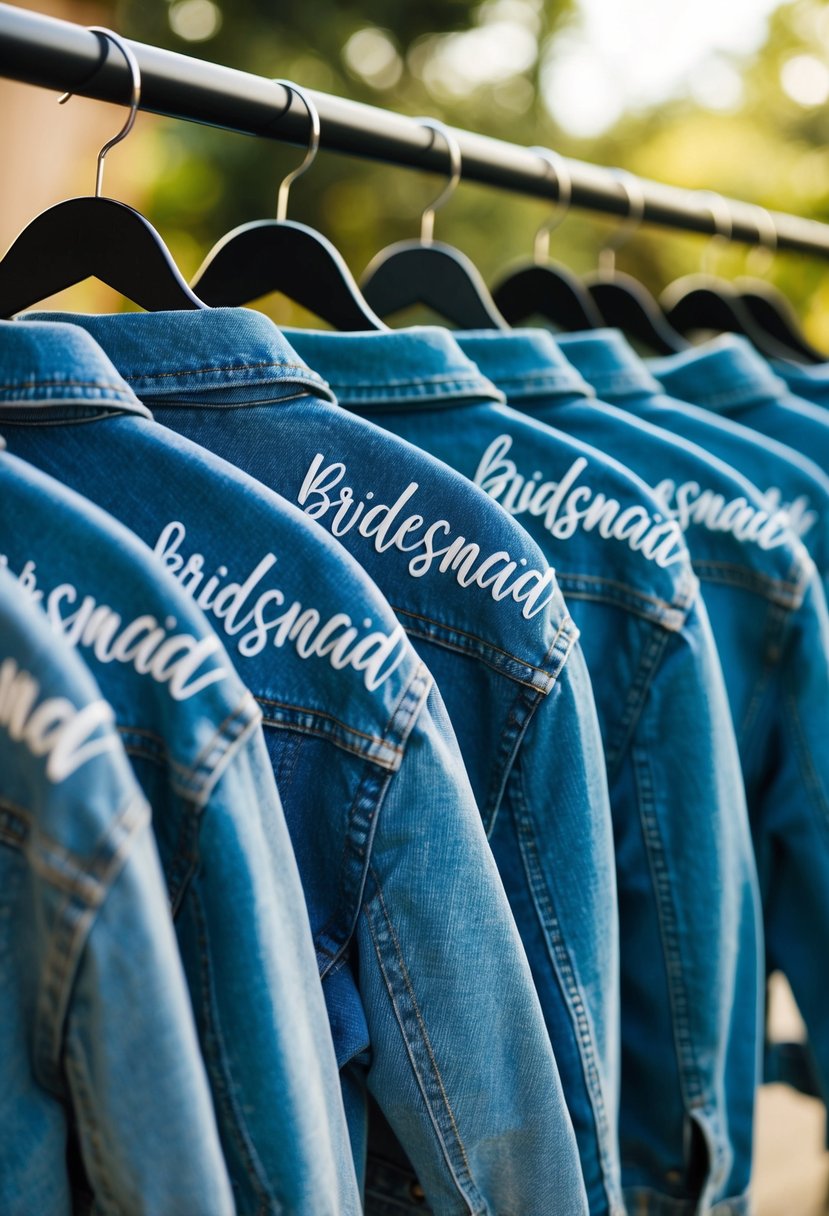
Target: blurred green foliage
[{"x": 477, "y": 64}]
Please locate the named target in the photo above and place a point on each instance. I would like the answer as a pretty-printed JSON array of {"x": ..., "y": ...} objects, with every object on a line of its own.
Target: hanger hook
[
  {"x": 564, "y": 193},
  {"x": 310, "y": 155},
  {"x": 763, "y": 253},
  {"x": 427, "y": 219},
  {"x": 720, "y": 212},
  {"x": 636, "y": 213},
  {"x": 135, "y": 99}
]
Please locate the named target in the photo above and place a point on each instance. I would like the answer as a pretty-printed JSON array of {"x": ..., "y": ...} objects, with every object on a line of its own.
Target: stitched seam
[
  {"x": 332, "y": 938},
  {"x": 635, "y": 697},
  {"x": 319, "y": 713},
  {"x": 436, "y": 379},
  {"x": 773, "y": 648},
  {"x": 352, "y": 749},
  {"x": 36, "y": 422},
  {"x": 75, "y": 923},
  {"x": 475, "y": 1205},
  {"x": 90, "y": 1131},
  {"x": 522, "y": 711},
  {"x": 27, "y": 384},
  {"x": 474, "y": 637},
  {"x": 689, "y": 1078},
  {"x": 223, "y": 1093},
  {"x": 358, "y": 838},
  {"x": 493, "y": 664},
  {"x": 222, "y": 731},
  {"x": 811, "y": 778},
  {"x": 54, "y": 862},
  {"x": 15, "y": 823},
  {"x": 222, "y": 370},
  {"x": 784, "y": 593},
  {"x": 565, "y": 971},
  {"x": 668, "y": 605}
]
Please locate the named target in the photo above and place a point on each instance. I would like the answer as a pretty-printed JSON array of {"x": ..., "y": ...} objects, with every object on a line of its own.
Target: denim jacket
[
  {"x": 479, "y": 601},
  {"x": 626, "y": 575},
  {"x": 84, "y": 930},
  {"x": 727, "y": 391},
  {"x": 792, "y": 848},
  {"x": 740, "y": 384},
  {"x": 373, "y": 785},
  {"x": 193, "y": 735},
  {"x": 809, "y": 383}
]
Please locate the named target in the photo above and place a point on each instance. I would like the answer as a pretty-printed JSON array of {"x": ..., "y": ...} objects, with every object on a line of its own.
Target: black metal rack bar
[{"x": 45, "y": 51}]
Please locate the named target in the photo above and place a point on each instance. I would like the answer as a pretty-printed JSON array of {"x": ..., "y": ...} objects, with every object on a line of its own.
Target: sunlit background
[{"x": 727, "y": 95}]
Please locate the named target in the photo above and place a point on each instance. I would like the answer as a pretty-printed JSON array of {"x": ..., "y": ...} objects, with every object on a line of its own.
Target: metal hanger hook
[
  {"x": 427, "y": 219},
  {"x": 310, "y": 155},
  {"x": 564, "y": 193},
  {"x": 135, "y": 99},
  {"x": 720, "y": 213},
  {"x": 763, "y": 253},
  {"x": 636, "y": 213}
]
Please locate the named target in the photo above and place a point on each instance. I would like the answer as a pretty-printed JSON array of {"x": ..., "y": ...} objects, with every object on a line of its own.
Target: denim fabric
[
  {"x": 790, "y": 706},
  {"x": 728, "y": 391},
  {"x": 740, "y": 384},
  {"x": 809, "y": 383},
  {"x": 479, "y": 602},
  {"x": 410, "y": 919},
  {"x": 626, "y": 575},
  {"x": 193, "y": 735},
  {"x": 84, "y": 929}
]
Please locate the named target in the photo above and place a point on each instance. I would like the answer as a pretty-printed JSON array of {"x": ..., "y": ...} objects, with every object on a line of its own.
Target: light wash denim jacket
[
  {"x": 409, "y": 915},
  {"x": 480, "y": 603},
  {"x": 193, "y": 735},
  {"x": 84, "y": 932},
  {"x": 626, "y": 575}
]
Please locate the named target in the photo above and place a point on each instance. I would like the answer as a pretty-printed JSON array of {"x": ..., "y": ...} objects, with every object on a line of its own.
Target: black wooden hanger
[
  {"x": 430, "y": 273},
  {"x": 770, "y": 310},
  {"x": 94, "y": 237},
  {"x": 542, "y": 288},
  {"x": 279, "y": 255},
  {"x": 623, "y": 301},
  {"x": 705, "y": 303}
]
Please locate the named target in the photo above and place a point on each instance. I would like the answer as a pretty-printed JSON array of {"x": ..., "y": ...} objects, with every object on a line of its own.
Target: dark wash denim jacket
[
  {"x": 625, "y": 572},
  {"x": 84, "y": 928},
  {"x": 415, "y": 940},
  {"x": 193, "y": 735},
  {"x": 479, "y": 601}
]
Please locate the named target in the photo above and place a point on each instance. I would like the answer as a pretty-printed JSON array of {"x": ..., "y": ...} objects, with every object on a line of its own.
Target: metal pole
[{"x": 55, "y": 54}]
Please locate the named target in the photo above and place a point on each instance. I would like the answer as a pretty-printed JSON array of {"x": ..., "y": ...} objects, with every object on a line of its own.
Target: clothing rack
[{"x": 55, "y": 54}]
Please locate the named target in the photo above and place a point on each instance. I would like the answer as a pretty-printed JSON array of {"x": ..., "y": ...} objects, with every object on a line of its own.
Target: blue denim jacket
[
  {"x": 85, "y": 931},
  {"x": 809, "y": 383},
  {"x": 728, "y": 390},
  {"x": 740, "y": 384},
  {"x": 193, "y": 735},
  {"x": 792, "y": 851},
  {"x": 479, "y": 601},
  {"x": 373, "y": 786},
  {"x": 625, "y": 572}
]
